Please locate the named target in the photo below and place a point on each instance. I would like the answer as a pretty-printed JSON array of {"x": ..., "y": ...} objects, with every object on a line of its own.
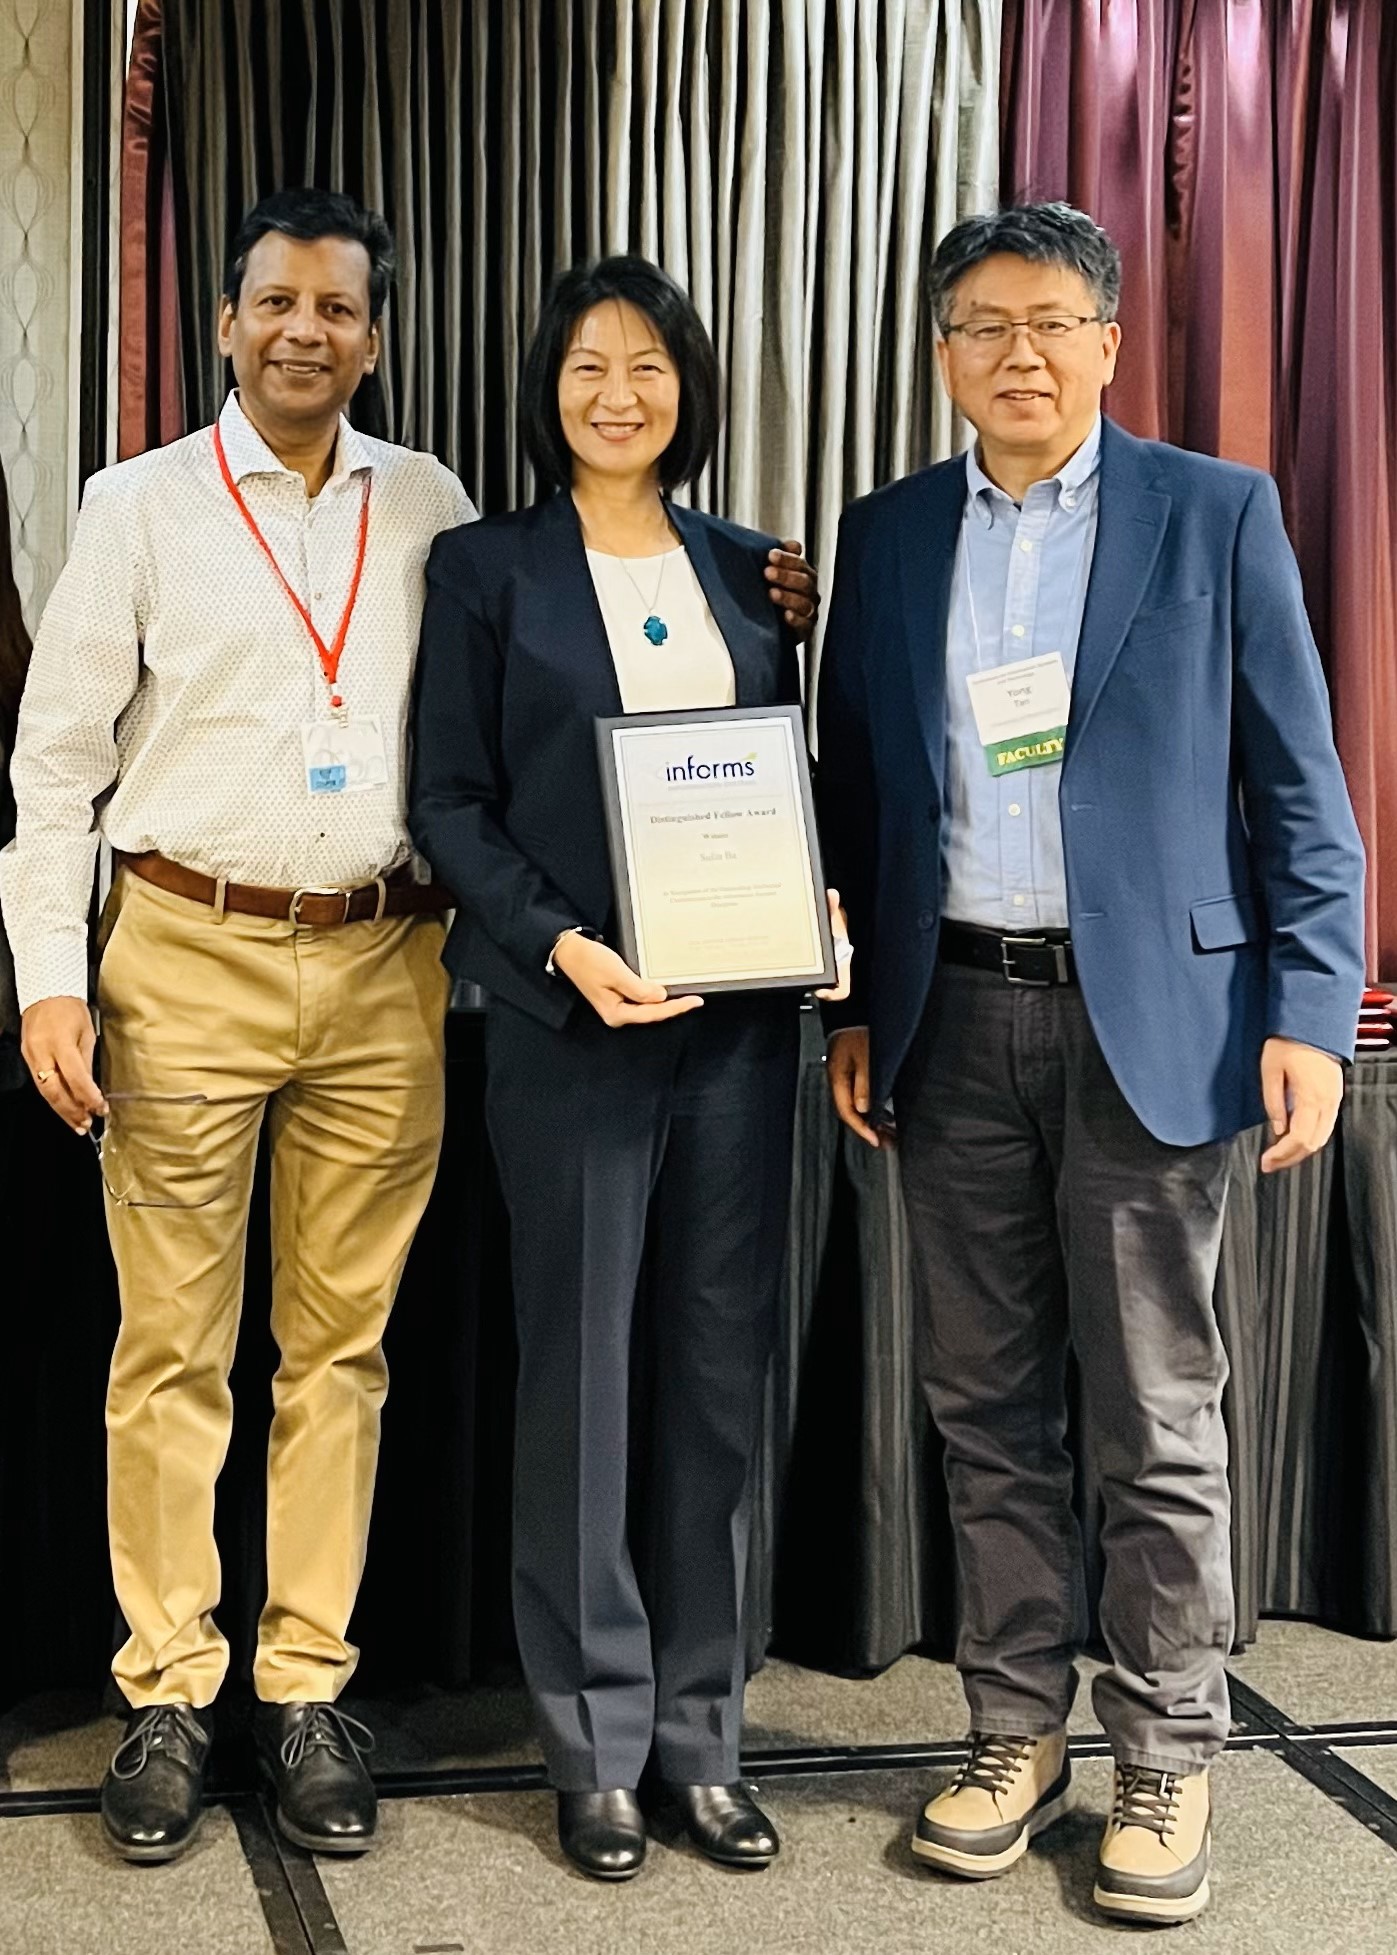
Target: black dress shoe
[
  {"x": 602, "y": 1832},
  {"x": 152, "y": 1795},
  {"x": 726, "y": 1823},
  {"x": 313, "y": 1755}
]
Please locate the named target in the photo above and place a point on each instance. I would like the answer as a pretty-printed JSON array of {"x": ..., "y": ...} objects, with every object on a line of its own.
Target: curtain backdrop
[
  {"x": 150, "y": 403},
  {"x": 791, "y": 164},
  {"x": 796, "y": 177},
  {"x": 1241, "y": 153}
]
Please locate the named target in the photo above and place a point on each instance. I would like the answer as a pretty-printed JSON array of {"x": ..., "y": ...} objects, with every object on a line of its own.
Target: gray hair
[{"x": 1046, "y": 234}]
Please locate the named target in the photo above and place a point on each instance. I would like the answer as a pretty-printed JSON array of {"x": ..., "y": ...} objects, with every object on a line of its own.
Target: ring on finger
[{"x": 44, "y": 1077}]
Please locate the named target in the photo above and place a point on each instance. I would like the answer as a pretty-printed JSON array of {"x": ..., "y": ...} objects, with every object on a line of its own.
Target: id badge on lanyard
[
  {"x": 1021, "y": 713},
  {"x": 344, "y": 756},
  {"x": 343, "y": 753},
  {"x": 1021, "y": 710}
]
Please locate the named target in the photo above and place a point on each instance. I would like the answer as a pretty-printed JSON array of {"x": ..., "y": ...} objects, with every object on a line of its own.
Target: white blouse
[{"x": 693, "y": 666}]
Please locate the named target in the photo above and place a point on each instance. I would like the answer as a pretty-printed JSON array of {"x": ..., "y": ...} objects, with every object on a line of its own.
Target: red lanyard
[{"x": 329, "y": 655}]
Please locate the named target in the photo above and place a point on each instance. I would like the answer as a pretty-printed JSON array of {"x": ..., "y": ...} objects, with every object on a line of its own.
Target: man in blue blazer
[{"x": 1080, "y": 792}]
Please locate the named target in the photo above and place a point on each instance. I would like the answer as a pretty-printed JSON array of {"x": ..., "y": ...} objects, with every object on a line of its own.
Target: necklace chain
[
  {"x": 659, "y": 581},
  {"x": 653, "y": 625}
]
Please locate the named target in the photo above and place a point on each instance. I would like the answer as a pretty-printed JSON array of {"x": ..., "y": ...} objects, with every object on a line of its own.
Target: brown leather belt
[{"x": 395, "y": 894}]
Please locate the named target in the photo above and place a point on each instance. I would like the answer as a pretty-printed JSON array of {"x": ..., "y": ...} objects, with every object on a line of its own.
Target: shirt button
[
  {"x": 1025, "y": 547},
  {"x": 1069, "y": 502},
  {"x": 1019, "y": 902},
  {"x": 1014, "y": 808},
  {"x": 927, "y": 920},
  {"x": 1018, "y": 631}
]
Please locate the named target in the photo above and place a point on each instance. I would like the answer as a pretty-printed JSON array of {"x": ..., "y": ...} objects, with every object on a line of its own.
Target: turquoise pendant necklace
[{"x": 655, "y": 628}]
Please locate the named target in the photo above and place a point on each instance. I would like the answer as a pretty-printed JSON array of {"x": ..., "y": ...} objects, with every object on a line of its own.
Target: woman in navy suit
[{"x": 643, "y": 1142}]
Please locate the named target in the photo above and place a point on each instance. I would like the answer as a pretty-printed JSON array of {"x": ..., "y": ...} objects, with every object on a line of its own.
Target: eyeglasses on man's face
[{"x": 1048, "y": 329}]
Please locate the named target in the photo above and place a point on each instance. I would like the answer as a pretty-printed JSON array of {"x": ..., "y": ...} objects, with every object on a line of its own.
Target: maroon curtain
[
  {"x": 1243, "y": 153},
  {"x": 150, "y": 392}
]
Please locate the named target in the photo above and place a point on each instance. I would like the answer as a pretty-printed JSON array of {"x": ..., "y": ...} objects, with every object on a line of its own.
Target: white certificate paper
[{"x": 716, "y": 863}]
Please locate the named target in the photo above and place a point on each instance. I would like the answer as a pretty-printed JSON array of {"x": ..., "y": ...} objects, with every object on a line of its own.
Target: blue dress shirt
[{"x": 1019, "y": 592}]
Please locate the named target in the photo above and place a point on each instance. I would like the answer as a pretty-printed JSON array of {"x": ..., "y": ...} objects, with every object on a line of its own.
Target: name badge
[
  {"x": 1021, "y": 713},
  {"x": 344, "y": 756}
]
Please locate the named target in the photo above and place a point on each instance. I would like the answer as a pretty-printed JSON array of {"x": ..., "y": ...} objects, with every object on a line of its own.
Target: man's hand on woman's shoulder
[{"x": 795, "y": 586}]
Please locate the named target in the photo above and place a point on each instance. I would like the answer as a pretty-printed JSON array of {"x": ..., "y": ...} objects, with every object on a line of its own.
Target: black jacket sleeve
[{"x": 459, "y": 787}]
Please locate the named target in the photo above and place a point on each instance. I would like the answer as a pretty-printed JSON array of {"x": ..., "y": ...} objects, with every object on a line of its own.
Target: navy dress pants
[{"x": 645, "y": 1169}]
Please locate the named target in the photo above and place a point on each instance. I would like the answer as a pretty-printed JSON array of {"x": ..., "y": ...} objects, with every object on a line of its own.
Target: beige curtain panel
[{"x": 792, "y": 164}]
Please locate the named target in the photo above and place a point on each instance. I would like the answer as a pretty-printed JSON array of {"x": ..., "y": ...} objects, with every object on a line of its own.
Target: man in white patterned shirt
[{"x": 220, "y": 689}]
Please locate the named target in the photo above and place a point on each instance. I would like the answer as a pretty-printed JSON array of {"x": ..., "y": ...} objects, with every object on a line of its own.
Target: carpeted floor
[
  {"x": 62, "y": 1892},
  {"x": 485, "y": 1873},
  {"x": 1296, "y": 1874}
]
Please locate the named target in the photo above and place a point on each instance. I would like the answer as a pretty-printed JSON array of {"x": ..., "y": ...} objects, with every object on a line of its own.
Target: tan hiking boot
[
  {"x": 1154, "y": 1856},
  {"x": 1005, "y": 1792}
]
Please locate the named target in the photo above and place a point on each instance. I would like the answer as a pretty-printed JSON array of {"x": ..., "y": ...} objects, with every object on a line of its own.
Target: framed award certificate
[{"x": 719, "y": 885}]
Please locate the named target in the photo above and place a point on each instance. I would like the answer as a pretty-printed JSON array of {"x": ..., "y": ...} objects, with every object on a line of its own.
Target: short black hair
[
  {"x": 675, "y": 318},
  {"x": 1046, "y": 234},
  {"x": 310, "y": 214}
]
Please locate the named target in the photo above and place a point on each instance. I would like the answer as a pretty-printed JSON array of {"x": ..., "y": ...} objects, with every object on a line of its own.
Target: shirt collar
[
  {"x": 982, "y": 494},
  {"x": 248, "y": 454}
]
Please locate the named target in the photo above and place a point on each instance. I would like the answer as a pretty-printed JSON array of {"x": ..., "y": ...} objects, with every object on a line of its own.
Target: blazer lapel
[
  {"x": 928, "y": 541},
  {"x": 1130, "y": 524},
  {"x": 746, "y": 631},
  {"x": 582, "y": 642}
]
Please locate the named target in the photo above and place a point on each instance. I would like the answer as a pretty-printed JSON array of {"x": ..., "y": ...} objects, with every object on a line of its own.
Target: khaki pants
[{"x": 336, "y": 1034}]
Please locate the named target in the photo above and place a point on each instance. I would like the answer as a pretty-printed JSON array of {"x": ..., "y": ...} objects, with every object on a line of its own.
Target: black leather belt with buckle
[{"x": 1043, "y": 959}]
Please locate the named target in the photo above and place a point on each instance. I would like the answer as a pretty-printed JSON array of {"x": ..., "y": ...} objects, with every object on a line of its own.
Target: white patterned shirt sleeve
[
  {"x": 172, "y": 677},
  {"x": 83, "y": 676}
]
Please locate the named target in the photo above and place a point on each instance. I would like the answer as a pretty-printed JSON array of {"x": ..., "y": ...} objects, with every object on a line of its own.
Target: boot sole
[
  {"x": 153, "y": 1856},
  {"x": 985, "y": 1866},
  {"x": 1141, "y": 1907}
]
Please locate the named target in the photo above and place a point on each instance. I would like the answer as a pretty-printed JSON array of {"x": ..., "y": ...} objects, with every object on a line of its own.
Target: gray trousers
[{"x": 1043, "y": 1215}]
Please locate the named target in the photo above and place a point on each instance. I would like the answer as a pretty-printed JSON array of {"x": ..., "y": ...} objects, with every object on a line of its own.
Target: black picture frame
[{"x": 826, "y": 976}]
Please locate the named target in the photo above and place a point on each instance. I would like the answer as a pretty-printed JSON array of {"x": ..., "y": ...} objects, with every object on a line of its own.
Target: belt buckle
[
  {"x": 1007, "y": 947},
  {"x": 315, "y": 889}
]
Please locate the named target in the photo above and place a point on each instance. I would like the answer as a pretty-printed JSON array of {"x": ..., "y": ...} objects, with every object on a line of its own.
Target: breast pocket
[{"x": 1172, "y": 620}]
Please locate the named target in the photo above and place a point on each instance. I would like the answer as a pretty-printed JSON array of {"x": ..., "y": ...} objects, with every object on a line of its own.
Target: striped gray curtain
[{"x": 792, "y": 164}]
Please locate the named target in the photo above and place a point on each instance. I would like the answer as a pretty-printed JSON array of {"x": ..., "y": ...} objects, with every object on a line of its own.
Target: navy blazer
[
  {"x": 514, "y": 670},
  {"x": 1214, "y": 869}
]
